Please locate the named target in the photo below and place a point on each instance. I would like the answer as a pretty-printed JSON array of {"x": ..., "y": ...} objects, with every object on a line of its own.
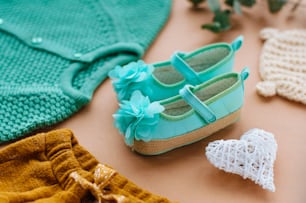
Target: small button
[
  {"x": 36, "y": 40},
  {"x": 77, "y": 55},
  {"x": 1, "y": 21}
]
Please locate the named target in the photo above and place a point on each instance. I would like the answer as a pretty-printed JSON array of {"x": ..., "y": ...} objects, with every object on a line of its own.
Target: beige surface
[{"x": 185, "y": 175}]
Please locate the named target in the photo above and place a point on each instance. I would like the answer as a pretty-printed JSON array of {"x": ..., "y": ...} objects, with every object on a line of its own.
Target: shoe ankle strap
[
  {"x": 189, "y": 74},
  {"x": 244, "y": 75},
  {"x": 202, "y": 109},
  {"x": 237, "y": 43},
  {"x": 182, "y": 67}
]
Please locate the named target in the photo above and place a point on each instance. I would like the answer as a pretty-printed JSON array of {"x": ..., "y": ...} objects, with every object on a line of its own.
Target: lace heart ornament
[{"x": 251, "y": 157}]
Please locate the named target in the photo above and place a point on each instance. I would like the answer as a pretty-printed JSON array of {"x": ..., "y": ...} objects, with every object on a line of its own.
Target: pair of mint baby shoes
[{"x": 174, "y": 103}]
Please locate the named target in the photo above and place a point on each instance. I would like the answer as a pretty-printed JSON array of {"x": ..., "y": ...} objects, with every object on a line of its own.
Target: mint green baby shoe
[
  {"x": 152, "y": 128},
  {"x": 164, "y": 79}
]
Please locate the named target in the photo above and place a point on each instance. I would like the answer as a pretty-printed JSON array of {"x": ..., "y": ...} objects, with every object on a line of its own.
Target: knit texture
[
  {"x": 41, "y": 168},
  {"x": 54, "y": 54},
  {"x": 283, "y": 64}
]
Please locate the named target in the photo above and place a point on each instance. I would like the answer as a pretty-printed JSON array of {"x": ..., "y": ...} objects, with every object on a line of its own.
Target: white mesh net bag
[{"x": 251, "y": 157}]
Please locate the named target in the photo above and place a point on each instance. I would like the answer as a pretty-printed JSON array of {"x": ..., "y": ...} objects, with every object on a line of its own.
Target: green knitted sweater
[{"x": 55, "y": 53}]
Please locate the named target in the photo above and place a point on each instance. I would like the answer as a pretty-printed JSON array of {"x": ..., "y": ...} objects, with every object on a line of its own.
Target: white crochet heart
[{"x": 251, "y": 157}]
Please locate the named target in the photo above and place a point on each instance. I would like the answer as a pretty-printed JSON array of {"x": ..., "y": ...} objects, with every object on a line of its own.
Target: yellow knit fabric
[{"x": 44, "y": 167}]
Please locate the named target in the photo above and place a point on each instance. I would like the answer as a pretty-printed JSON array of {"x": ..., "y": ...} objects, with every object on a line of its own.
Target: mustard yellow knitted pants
[{"x": 53, "y": 167}]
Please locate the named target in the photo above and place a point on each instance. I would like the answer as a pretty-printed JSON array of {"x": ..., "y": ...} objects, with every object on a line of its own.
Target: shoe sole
[{"x": 157, "y": 147}]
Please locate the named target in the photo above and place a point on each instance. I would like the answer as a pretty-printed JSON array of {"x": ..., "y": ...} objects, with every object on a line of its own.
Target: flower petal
[
  {"x": 129, "y": 138},
  {"x": 154, "y": 108},
  {"x": 127, "y": 77},
  {"x": 137, "y": 118}
]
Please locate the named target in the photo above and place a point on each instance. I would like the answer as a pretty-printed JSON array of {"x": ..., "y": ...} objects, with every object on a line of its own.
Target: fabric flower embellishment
[
  {"x": 129, "y": 78},
  {"x": 137, "y": 118}
]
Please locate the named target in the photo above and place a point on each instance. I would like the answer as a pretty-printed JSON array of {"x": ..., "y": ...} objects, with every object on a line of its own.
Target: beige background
[{"x": 185, "y": 175}]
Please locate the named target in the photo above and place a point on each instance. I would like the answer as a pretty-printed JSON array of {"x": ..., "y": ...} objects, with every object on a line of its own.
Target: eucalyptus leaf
[
  {"x": 229, "y": 2},
  {"x": 214, "y": 5},
  {"x": 214, "y": 27},
  {"x": 247, "y": 3},
  {"x": 221, "y": 22},
  {"x": 276, "y": 5},
  {"x": 237, "y": 7},
  {"x": 196, "y": 2}
]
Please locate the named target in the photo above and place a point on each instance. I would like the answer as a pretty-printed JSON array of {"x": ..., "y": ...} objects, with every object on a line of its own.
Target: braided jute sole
[{"x": 156, "y": 147}]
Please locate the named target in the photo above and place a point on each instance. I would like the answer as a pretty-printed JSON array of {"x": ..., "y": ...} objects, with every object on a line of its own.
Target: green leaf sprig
[{"x": 222, "y": 21}]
